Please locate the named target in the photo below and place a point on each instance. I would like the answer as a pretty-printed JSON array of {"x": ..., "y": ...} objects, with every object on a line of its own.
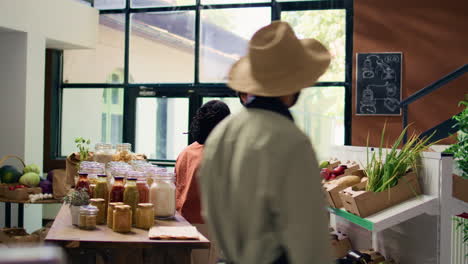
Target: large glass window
[
  {"x": 85, "y": 114},
  {"x": 143, "y": 81}
]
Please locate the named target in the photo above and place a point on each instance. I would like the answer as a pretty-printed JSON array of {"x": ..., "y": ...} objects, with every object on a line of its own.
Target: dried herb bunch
[
  {"x": 77, "y": 198},
  {"x": 384, "y": 172}
]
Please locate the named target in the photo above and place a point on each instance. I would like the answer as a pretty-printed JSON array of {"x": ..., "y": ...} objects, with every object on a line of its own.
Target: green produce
[
  {"x": 9, "y": 174},
  {"x": 30, "y": 179},
  {"x": 32, "y": 168},
  {"x": 324, "y": 164}
]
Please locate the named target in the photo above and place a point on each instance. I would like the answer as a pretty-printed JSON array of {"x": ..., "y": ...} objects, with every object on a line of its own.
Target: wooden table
[
  {"x": 8, "y": 203},
  {"x": 135, "y": 247}
]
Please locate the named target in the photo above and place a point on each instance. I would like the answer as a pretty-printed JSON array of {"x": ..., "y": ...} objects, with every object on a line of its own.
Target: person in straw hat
[{"x": 259, "y": 177}]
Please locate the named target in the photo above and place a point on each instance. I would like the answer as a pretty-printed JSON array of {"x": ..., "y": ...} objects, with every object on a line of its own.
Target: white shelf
[{"x": 423, "y": 204}]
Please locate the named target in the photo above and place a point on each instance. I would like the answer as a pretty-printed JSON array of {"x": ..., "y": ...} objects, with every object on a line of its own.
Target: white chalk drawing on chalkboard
[
  {"x": 391, "y": 103},
  {"x": 367, "y": 69},
  {"x": 386, "y": 72},
  {"x": 391, "y": 89},
  {"x": 367, "y": 103}
]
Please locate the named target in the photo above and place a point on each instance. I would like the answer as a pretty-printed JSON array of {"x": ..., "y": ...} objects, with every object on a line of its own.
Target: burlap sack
[
  {"x": 72, "y": 167},
  {"x": 60, "y": 186}
]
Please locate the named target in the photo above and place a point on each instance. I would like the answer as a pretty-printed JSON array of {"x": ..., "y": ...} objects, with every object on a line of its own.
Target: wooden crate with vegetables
[
  {"x": 332, "y": 188},
  {"x": 391, "y": 177}
]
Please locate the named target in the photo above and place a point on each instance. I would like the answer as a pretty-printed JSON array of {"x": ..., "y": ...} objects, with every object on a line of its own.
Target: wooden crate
[
  {"x": 358, "y": 201},
  {"x": 460, "y": 188}
]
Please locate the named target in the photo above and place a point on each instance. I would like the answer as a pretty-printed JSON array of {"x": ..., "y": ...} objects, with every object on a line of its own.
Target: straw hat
[{"x": 278, "y": 63}]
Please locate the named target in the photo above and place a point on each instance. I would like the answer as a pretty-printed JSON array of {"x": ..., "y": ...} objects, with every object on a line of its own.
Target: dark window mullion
[{"x": 130, "y": 94}]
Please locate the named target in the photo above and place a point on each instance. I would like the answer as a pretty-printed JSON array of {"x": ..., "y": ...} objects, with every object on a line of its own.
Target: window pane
[
  {"x": 328, "y": 26},
  {"x": 100, "y": 64},
  {"x": 109, "y": 4},
  {"x": 319, "y": 112},
  {"x": 162, "y": 47},
  {"x": 84, "y": 114},
  {"x": 225, "y": 34},
  {"x": 158, "y": 3},
  {"x": 160, "y": 127},
  {"x": 233, "y": 102},
  {"x": 211, "y": 2}
]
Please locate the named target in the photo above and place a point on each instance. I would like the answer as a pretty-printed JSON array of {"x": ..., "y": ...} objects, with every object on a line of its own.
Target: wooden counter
[{"x": 112, "y": 247}]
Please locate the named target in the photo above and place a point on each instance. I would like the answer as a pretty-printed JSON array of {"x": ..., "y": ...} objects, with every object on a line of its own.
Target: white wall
[
  {"x": 26, "y": 27},
  {"x": 64, "y": 23}
]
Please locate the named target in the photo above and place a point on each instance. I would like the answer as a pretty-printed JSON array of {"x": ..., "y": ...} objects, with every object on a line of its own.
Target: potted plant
[
  {"x": 460, "y": 154},
  {"x": 75, "y": 199}
]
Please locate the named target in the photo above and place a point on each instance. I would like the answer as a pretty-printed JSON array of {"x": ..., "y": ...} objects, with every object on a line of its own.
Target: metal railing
[{"x": 427, "y": 90}]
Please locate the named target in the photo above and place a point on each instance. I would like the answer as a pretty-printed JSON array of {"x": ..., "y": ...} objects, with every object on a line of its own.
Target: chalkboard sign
[{"x": 378, "y": 83}]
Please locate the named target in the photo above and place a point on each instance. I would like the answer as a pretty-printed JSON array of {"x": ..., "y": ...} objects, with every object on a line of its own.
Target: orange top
[{"x": 187, "y": 193}]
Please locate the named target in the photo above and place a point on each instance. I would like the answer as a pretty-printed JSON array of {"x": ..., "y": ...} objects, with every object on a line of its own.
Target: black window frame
[{"x": 197, "y": 90}]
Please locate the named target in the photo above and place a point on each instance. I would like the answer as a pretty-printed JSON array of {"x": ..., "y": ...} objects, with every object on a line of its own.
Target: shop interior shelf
[{"x": 393, "y": 215}]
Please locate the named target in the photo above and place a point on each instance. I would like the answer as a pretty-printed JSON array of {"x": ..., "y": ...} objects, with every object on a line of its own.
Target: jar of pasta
[
  {"x": 101, "y": 206},
  {"x": 88, "y": 217},
  {"x": 110, "y": 213},
  {"x": 122, "y": 221},
  {"x": 144, "y": 215}
]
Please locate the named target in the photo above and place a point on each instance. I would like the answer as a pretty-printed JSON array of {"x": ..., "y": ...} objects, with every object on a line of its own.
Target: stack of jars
[
  {"x": 92, "y": 168},
  {"x": 103, "y": 153}
]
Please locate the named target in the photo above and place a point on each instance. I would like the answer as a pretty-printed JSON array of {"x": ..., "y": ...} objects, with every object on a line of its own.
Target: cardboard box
[
  {"x": 376, "y": 257},
  {"x": 364, "y": 203},
  {"x": 17, "y": 236},
  {"x": 21, "y": 194},
  {"x": 341, "y": 247},
  {"x": 460, "y": 188},
  {"x": 332, "y": 190}
]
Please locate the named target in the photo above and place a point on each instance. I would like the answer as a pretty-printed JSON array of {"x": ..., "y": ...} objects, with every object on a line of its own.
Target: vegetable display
[
  {"x": 30, "y": 179},
  {"x": 384, "y": 172}
]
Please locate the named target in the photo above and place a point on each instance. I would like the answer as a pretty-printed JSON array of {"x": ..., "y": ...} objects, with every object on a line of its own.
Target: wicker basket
[{"x": 21, "y": 194}]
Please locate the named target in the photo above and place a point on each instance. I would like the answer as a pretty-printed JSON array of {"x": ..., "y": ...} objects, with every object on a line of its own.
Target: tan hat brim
[{"x": 284, "y": 81}]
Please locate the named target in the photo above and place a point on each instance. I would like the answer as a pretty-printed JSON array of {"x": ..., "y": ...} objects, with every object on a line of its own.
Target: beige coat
[{"x": 260, "y": 189}]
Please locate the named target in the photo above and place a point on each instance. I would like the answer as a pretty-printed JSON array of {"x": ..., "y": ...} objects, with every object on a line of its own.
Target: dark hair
[{"x": 206, "y": 118}]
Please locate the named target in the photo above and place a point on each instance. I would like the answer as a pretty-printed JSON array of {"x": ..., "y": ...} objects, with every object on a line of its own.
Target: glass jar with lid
[
  {"x": 163, "y": 195},
  {"x": 117, "y": 192},
  {"x": 103, "y": 153},
  {"x": 123, "y": 152},
  {"x": 83, "y": 183},
  {"x": 153, "y": 172},
  {"x": 88, "y": 217},
  {"x": 100, "y": 204},
  {"x": 131, "y": 195},
  {"x": 144, "y": 216},
  {"x": 110, "y": 213},
  {"x": 122, "y": 219}
]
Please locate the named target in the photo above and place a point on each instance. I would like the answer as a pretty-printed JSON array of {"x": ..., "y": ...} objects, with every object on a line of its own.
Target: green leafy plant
[
  {"x": 463, "y": 225},
  {"x": 460, "y": 149},
  {"x": 77, "y": 198},
  {"x": 384, "y": 172},
  {"x": 83, "y": 147}
]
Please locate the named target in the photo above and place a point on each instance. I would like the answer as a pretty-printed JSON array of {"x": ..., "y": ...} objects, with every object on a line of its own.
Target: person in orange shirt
[{"x": 186, "y": 167}]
